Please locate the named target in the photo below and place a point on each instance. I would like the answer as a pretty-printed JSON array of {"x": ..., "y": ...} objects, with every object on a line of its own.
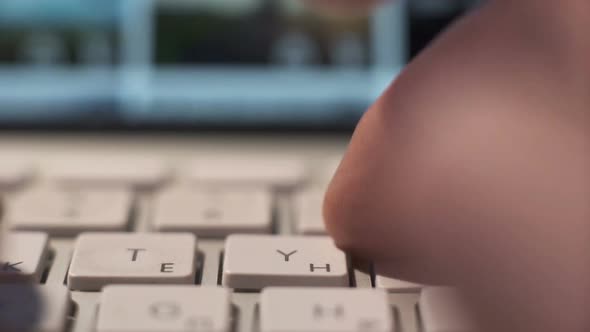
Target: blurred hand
[{"x": 473, "y": 168}]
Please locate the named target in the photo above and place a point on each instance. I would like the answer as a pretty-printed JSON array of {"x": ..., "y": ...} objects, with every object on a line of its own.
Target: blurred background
[{"x": 203, "y": 63}]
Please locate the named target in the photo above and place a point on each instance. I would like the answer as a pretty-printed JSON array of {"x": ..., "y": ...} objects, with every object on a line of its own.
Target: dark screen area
[
  {"x": 426, "y": 25},
  {"x": 265, "y": 35}
]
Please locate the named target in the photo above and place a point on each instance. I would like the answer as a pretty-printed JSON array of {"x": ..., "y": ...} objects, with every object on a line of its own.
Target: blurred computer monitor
[{"x": 202, "y": 63}]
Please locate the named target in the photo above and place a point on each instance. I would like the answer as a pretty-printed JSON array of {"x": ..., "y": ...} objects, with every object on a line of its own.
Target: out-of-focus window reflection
[
  {"x": 193, "y": 62},
  {"x": 58, "y": 32},
  {"x": 259, "y": 32}
]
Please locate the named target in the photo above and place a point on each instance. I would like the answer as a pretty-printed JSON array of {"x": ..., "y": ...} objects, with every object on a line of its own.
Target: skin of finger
[{"x": 472, "y": 170}]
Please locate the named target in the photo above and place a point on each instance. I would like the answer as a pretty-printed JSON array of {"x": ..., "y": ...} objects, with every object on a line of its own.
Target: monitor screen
[
  {"x": 196, "y": 63},
  {"x": 259, "y": 33},
  {"x": 58, "y": 32}
]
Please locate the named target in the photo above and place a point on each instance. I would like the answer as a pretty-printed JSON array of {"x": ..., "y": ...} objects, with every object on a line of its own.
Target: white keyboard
[{"x": 127, "y": 245}]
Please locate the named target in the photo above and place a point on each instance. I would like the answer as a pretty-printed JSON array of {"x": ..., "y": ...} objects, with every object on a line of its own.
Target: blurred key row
[
  {"x": 148, "y": 173},
  {"x": 203, "y": 211},
  {"x": 132, "y": 308},
  {"x": 249, "y": 262}
]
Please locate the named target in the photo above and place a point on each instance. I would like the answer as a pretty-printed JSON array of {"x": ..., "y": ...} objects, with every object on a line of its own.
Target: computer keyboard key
[
  {"x": 269, "y": 171},
  {"x": 320, "y": 309},
  {"x": 328, "y": 169},
  {"x": 441, "y": 310},
  {"x": 258, "y": 261},
  {"x": 214, "y": 212},
  {"x": 308, "y": 212},
  {"x": 108, "y": 171},
  {"x": 396, "y": 285},
  {"x": 164, "y": 308},
  {"x": 116, "y": 258},
  {"x": 14, "y": 174},
  {"x": 67, "y": 212},
  {"x": 22, "y": 256},
  {"x": 26, "y": 307}
]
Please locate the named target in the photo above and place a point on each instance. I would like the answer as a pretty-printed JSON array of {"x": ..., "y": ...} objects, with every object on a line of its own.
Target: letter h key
[{"x": 258, "y": 261}]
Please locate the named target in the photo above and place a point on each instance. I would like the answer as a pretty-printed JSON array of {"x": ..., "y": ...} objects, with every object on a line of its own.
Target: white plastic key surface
[
  {"x": 164, "y": 308},
  {"x": 14, "y": 173},
  {"x": 269, "y": 171},
  {"x": 214, "y": 212},
  {"x": 442, "y": 311},
  {"x": 26, "y": 307},
  {"x": 108, "y": 171},
  {"x": 22, "y": 256},
  {"x": 325, "y": 310},
  {"x": 308, "y": 212},
  {"x": 118, "y": 258},
  {"x": 329, "y": 169},
  {"x": 257, "y": 261},
  {"x": 68, "y": 212},
  {"x": 396, "y": 285}
]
